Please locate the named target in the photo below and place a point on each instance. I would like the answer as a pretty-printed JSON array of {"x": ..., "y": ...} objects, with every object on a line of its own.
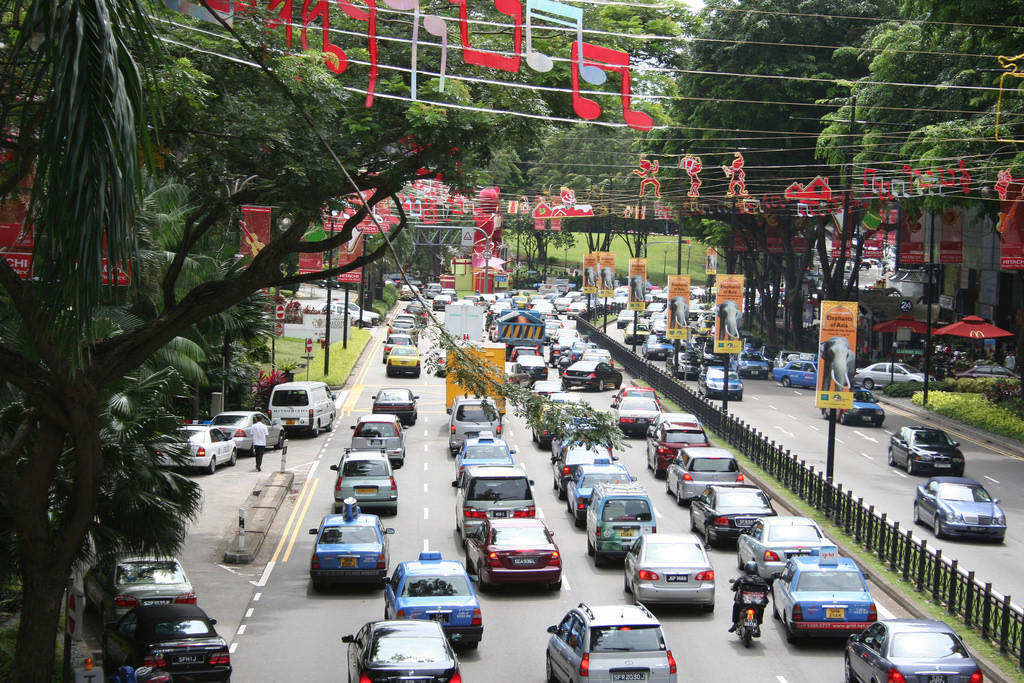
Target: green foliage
[
  {"x": 264, "y": 384},
  {"x": 1007, "y": 394},
  {"x": 908, "y": 389},
  {"x": 390, "y": 297},
  {"x": 974, "y": 410}
]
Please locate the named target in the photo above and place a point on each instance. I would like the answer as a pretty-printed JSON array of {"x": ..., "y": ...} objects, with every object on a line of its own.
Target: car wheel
[
  {"x": 549, "y": 672},
  {"x": 562, "y": 493},
  {"x": 739, "y": 560},
  {"x": 917, "y": 514},
  {"x": 314, "y": 431},
  {"x": 330, "y": 424},
  {"x": 892, "y": 458},
  {"x": 911, "y": 467},
  {"x": 868, "y": 383},
  {"x": 937, "y": 526},
  {"x": 707, "y": 535},
  {"x": 693, "y": 525},
  {"x": 787, "y": 382},
  {"x": 848, "y": 674},
  {"x": 668, "y": 488},
  {"x": 484, "y": 586},
  {"x": 212, "y": 467},
  {"x": 625, "y": 584},
  {"x": 280, "y": 440},
  {"x": 233, "y": 460},
  {"x": 679, "y": 497},
  {"x": 775, "y": 610},
  {"x": 710, "y": 607},
  {"x": 842, "y": 417},
  {"x": 600, "y": 385},
  {"x": 590, "y": 547},
  {"x": 555, "y": 585}
]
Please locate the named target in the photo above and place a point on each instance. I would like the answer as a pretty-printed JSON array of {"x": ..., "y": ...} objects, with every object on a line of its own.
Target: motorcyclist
[{"x": 750, "y": 581}]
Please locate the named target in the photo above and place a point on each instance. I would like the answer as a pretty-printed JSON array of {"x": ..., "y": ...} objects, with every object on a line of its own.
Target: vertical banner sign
[
  {"x": 951, "y": 239},
  {"x": 349, "y": 252},
  {"x": 711, "y": 261},
  {"x": 729, "y": 314},
  {"x": 911, "y": 239},
  {"x": 1011, "y": 220},
  {"x": 255, "y": 229},
  {"x": 637, "y": 284},
  {"x": 678, "y": 307},
  {"x": 606, "y": 274},
  {"x": 590, "y": 268},
  {"x": 837, "y": 355}
]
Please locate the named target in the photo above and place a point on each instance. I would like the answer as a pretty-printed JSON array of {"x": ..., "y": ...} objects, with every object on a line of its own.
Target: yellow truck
[{"x": 494, "y": 357}]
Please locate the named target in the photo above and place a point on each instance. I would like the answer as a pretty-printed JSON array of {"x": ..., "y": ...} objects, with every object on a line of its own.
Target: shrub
[
  {"x": 264, "y": 385},
  {"x": 1006, "y": 394},
  {"x": 909, "y": 389},
  {"x": 974, "y": 410}
]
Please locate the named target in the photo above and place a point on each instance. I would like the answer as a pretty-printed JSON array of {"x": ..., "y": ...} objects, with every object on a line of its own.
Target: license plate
[
  {"x": 366, "y": 489},
  {"x": 289, "y": 422},
  {"x": 630, "y": 676},
  {"x": 976, "y": 528},
  {"x": 346, "y": 561},
  {"x": 942, "y": 465},
  {"x": 188, "y": 659},
  {"x": 627, "y": 533},
  {"x": 498, "y": 514},
  {"x": 743, "y": 521},
  {"x": 156, "y": 601},
  {"x": 642, "y": 420},
  {"x": 523, "y": 561},
  {"x": 677, "y": 578},
  {"x": 835, "y": 613},
  {"x": 472, "y": 435},
  {"x": 441, "y": 617},
  {"x": 374, "y": 442},
  {"x": 936, "y": 678}
]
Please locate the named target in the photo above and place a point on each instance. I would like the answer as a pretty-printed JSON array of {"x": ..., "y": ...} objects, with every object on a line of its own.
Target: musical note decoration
[
  {"x": 647, "y": 171},
  {"x": 1010, "y": 64}
]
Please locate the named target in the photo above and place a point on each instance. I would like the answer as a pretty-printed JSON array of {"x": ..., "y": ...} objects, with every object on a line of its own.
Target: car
[
  {"x": 366, "y": 476},
  {"x": 238, "y": 424},
  {"x": 403, "y": 360},
  {"x": 561, "y": 304},
  {"x": 483, "y": 450},
  {"x": 544, "y": 435},
  {"x": 535, "y": 367},
  {"x": 899, "y": 649},
  {"x": 413, "y": 316},
  {"x": 711, "y": 383},
  {"x": 518, "y": 352},
  {"x": 610, "y": 643},
  {"x": 492, "y": 492},
  {"x": 617, "y": 514},
  {"x": 770, "y": 541},
  {"x": 180, "y": 639},
  {"x": 561, "y": 344},
  {"x": 359, "y": 316},
  {"x": 919, "y": 448},
  {"x": 686, "y": 420},
  {"x": 418, "y": 310},
  {"x": 577, "y": 308},
  {"x": 394, "y": 340},
  {"x": 602, "y": 355},
  {"x": 669, "y": 568},
  {"x": 398, "y": 402},
  {"x": 440, "y": 301},
  {"x": 635, "y": 414},
  {"x": 552, "y": 328},
  {"x": 723, "y": 512},
  {"x": 797, "y": 373},
  {"x": 575, "y": 352},
  {"x": 380, "y": 431},
  {"x": 959, "y": 507},
  {"x": 982, "y": 371},
  {"x": 114, "y": 586},
  {"x": 645, "y": 392},
  {"x": 349, "y": 548},
  {"x": 624, "y": 318},
  {"x": 751, "y": 364},
  {"x": 596, "y": 375},
  {"x": 865, "y": 410},
  {"x": 880, "y": 374},
  {"x": 583, "y": 480},
  {"x": 405, "y": 326},
  {"x": 546, "y": 387},
  {"x": 209, "y": 447},
  {"x": 470, "y": 417},
  {"x": 434, "y": 589},
  {"x": 636, "y": 333},
  {"x": 664, "y": 444},
  {"x": 393, "y": 650},
  {"x": 407, "y": 292},
  {"x": 515, "y": 374},
  {"x": 822, "y": 594},
  {"x": 657, "y": 347},
  {"x": 568, "y": 455},
  {"x": 688, "y": 365},
  {"x": 503, "y": 551}
]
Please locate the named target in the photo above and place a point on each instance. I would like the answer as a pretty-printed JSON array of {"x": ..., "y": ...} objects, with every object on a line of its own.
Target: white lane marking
[
  {"x": 565, "y": 583},
  {"x": 883, "y": 612},
  {"x": 840, "y": 441},
  {"x": 994, "y": 481},
  {"x": 773, "y": 407},
  {"x": 266, "y": 574},
  {"x": 900, "y": 474},
  {"x": 789, "y": 434},
  {"x": 426, "y": 466},
  {"x": 539, "y": 512},
  {"x": 248, "y": 612},
  {"x": 426, "y": 419},
  {"x": 312, "y": 468},
  {"x": 781, "y": 679},
  {"x": 865, "y": 436},
  {"x": 424, "y": 488},
  {"x": 256, "y": 598},
  {"x": 426, "y": 447},
  {"x": 753, "y": 398},
  {"x": 657, "y": 512},
  {"x": 426, "y": 433},
  {"x": 814, "y": 428},
  {"x": 867, "y": 456},
  {"x": 426, "y": 545},
  {"x": 241, "y": 630},
  {"x": 794, "y": 417},
  {"x": 232, "y": 648},
  {"x": 426, "y": 513}
]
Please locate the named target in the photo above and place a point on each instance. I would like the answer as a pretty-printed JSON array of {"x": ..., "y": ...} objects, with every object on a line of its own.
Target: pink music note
[
  {"x": 965, "y": 178},
  {"x": 284, "y": 17},
  {"x": 605, "y": 59},
  {"x": 493, "y": 60},
  {"x": 369, "y": 15},
  {"x": 334, "y": 56}
]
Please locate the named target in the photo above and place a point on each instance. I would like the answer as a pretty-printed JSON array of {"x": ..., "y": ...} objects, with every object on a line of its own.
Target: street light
[
  {"x": 664, "y": 267},
  {"x": 566, "y": 261}
]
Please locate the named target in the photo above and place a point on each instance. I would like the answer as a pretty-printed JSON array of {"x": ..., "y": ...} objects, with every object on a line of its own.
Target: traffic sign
[
  {"x": 487, "y": 254},
  {"x": 279, "y": 311},
  {"x": 467, "y": 237},
  {"x": 906, "y": 305},
  {"x": 278, "y": 329},
  {"x": 309, "y": 345}
]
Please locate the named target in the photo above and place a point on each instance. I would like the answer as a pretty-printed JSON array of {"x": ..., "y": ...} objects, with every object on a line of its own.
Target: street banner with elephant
[{"x": 837, "y": 355}]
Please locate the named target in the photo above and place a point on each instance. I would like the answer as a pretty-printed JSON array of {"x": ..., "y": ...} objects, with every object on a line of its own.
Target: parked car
[
  {"x": 723, "y": 512},
  {"x": 896, "y": 649},
  {"x": 238, "y": 424},
  {"x": 771, "y": 541},
  {"x": 210, "y": 447},
  {"x": 386, "y": 650},
  {"x": 880, "y": 374},
  {"x": 358, "y": 316},
  {"x": 959, "y": 507},
  {"x": 349, "y": 548},
  {"x": 822, "y": 595},
  {"x": 670, "y": 568},
  {"x": 987, "y": 371},
  {"x": 397, "y": 401},
  {"x": 920, "y": 448},
  {"x": 504, "y": 551},
  {"x": 595, "y": 375},
  {"x": 711, "y": 382},
  {"x": 866, "y": 410},
  {"x": 114, "y": 586}
]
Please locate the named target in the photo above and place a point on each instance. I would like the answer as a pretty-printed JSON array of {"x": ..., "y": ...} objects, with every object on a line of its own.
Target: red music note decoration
[
  {"x": 609, "y": 60},
  {"x": 369, "y": 15},
  {"x": 471, "y": 55},
  {"x": 334, "y": 56}
]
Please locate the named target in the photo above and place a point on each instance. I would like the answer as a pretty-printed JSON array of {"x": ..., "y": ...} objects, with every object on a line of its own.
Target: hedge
[{"x": 974, "y": 410}]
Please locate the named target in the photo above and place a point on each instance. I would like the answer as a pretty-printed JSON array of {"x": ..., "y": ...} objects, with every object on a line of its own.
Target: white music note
[{"x": 556, "y": 13}]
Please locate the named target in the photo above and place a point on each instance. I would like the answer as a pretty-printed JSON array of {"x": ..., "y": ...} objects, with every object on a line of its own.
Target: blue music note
[{"x": 556, "y": 13}]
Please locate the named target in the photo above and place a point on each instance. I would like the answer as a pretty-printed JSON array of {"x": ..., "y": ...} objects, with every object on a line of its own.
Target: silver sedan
[
  {"x": 113, "y": 587},
  {"x": 670, "y": 568},
  {"x": 880, "y": 374},
  {"x": 238, "y": 423},
  {"x": 770, "y": 541}
]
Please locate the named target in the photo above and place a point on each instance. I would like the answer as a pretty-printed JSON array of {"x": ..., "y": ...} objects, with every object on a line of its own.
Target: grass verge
[{"x": 341, "y": 363}]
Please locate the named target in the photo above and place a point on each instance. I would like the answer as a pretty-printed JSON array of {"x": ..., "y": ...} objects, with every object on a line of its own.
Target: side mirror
[
  {"x": 213, "y": 621},
  {"x": 389, "y": 530},
  {"x": 474, "y": 578},
  {"x": 854, "y": 638},
  {"x": 312, "y": 532},
  {"x": 776, "y": 576},
  {"x": 553, "y": 629},
  {"x": 352, "y": 426},
  {"x": 615, "y": 458},
  {"x": 348, "y": 639},
  {"x": 455, "y": 484},
  {"x": 956, "y": 444},
  {"x": 334, "y": 467},
  {"x": 513, "y": 450},
  {"x": 416, "y": 398}
]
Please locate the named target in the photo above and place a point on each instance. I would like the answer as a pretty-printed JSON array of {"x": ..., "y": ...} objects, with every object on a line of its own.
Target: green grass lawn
[{"x": 341, "y": 363}]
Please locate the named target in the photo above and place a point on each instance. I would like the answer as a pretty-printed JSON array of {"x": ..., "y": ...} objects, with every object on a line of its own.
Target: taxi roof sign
[{"x": 828, "y": 555}]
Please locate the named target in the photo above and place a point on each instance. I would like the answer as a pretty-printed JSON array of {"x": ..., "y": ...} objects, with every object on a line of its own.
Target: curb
[
  {"x": 260, "y": 510},
  {"x": 954, "y": 426}
]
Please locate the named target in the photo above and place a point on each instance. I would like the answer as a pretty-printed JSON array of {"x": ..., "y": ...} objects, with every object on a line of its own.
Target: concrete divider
[{"x": 260, "y": 508}]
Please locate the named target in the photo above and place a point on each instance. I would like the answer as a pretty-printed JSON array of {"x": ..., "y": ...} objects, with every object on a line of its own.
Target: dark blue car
[{"x": 957, "y": 506}]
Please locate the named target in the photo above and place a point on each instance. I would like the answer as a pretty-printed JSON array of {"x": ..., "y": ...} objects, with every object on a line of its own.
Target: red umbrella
[
  {"x": 973, "y": 327},
  {"x": 902, "y": 320}
]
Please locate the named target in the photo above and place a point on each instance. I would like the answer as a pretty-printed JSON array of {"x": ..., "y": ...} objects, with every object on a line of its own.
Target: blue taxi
[
  {"x": 750, "y": 363},
  {"x": 483, "y": 450},
  {"x": 350, "y": 548},
  {"x": 581, "y": 485},
  {"x": 822, "y": 594},
  {"x": 435, "y": 589}
]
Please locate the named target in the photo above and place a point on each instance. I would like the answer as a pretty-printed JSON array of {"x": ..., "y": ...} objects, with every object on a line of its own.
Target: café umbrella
[
  {"x": 904, "y": 320},
  {"x": 973, "y": 327}
]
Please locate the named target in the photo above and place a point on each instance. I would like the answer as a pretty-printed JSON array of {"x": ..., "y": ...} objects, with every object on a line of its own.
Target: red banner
[
  {"x": 1011, "y": 221},
  {"x": 911, "y": 239},
  {"x": 311, "y": 263},
  {"x": 20, "y": 263},
  {"x": 255, "y": 229},
  {"x": 773, "y": 237},
  {"x": 951, "y": 241},
  {"x": 349, "y": 252},
  {"x": 739, "y": 245},
  {"x": 874, "y": 245}
]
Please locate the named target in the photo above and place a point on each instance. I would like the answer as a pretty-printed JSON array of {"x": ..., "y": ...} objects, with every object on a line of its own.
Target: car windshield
[
  {"x": 402, "y": 650},
  {"x": 756, "y": 357},
  {"x": 376, "y": 430},
  {"x": 964, "y": 493},
  {"x": 228, "y": 420},
  {"x": 932, "y": 437},
  {"x": 485, "y": 452},
  {"x": 180, "y": 628},
  {"x": 524, "y": 537},
  {"x": 714, "y": 465},
  {"x": 831, "y": 581},
  {"x": 794, "y": 532},
  {"x": 338, "y": 535},
  {"x": 683, "y": 553},
  {"x": 290, "y": 397},
  {"x": 504, "y": 488},
  {"x": 742, "y": 499},
  {"x": 394, "y": 395},
  {"x": 149, "y": 572},
  {"x": 864, "y": 397},
  {"x": 628, "y": 510},
  {"x": 589, "y": 481},
  {"x": 626, "y": 639},
  {"x": 688, "y": 436},
  {"x": 364, "y": 468},
  {"x": 637, "y": 403},
  {"x": 435, "y": 586},
  {"x": 930, "y": 646}
]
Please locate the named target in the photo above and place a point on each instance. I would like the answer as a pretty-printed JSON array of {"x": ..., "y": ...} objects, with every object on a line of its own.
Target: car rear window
[
  {"x": 155, "y": 572},
  {"x": 674, "y": 552},
  {"x": 637, "y": 403},
  {"x": 180, "y": 628},
  {"x": 932, "y": 646},
  {"x": 485, "y": 452},
  {"x": 626, "y": 639},
  {"x": 408, "y": 651},
  {"x": 290, "y": 397},
  {"x": 364, "y": 468},
  {"x": 228, "y": 420},
  {"x": 741, "y": 498},
  {"x": 529, "y": 536},
  {"x": 830, "y": 581},
  {"x": 714, "y": 465},
  {"x": 687, "y": 436},
  {"x": 334, "y": 535},
  {"x": 394, "y": 395},
  {"x": 435, "y": 586},
  {"x": 592, "y": 480},
  {"x": 627, "y": 510},
  {"x": 474, "y": 414},
  {"x": 376, "y": 430},
  {"x": 497, "y": 489},
  {"x": 800, "y": 532}
]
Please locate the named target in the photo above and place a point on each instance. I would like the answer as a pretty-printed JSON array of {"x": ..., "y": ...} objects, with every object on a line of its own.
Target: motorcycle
[{"x": 748, "y": 623}]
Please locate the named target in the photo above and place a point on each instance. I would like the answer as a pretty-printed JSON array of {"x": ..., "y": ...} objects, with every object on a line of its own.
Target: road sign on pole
[
  {"x": 278, "y": 329},
  {"x": 467, "y": 237},
  {"x": 279, "y": 311},
  {"x": 309, "y": 345}
]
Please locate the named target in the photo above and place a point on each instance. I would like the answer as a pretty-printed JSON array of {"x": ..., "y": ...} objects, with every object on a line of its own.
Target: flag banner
[
  {"x": 837, "y": 355},
  {"x": 729, "y": 314},
  {"x": 678, "y": 307},
  {"x": 637, "y": 284}
]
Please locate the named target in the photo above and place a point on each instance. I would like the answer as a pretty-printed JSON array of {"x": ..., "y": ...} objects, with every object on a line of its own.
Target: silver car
[
  {"x": 381, "y": 431},
  {"x": 694, "y": 469},
  {"x": 210, "y": 447},
  {"x": 635, "y": 414},
  {"x": 670, "y": 568},
  {"x": 115, "y": 586},
  {"x": 366, "y": 475},
  {"x": 771, "y": 541},
  {"x": 880, "y": 374},
  {"x": 469, "y": 417},
  {"x": 239, "y": 424}
]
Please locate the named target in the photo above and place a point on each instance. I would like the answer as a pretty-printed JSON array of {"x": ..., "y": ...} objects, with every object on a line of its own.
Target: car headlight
[
  {"x": 999, "y": 520},
  {"x": 954, "y": 517}
]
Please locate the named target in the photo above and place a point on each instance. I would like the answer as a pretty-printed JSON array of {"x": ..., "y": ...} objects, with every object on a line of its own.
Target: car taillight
[
  {"x": 498, "y": 430},
  {"x": 591, "y": 376},
  {"x": 186, "y": 599},
  {"x": 798, "y": 612},
  {"x": 977, "y": 677},
  {"x": 200, "y": 452},
  {"x": 453, "y": 429},
  {"x": 721, "y": 521},
  {"x": 382, "y": 562},
  {"x": 492, "y": 560},
  {"x": 625, "y": 419},
  {"x": 270, "y": 413},
  {"x": 365, "y": 679},
  {"x": 394, "y": 486},
  {"x": 126, "y": 601},
  {"x": 581, "y": 504},
  {"x": 314, "y": 561},
  {"x": 872, "y": 613},
  {"x": 222, "y": 657},
  {"x": 771, "y": 556},
  {"x": 739, "y": 477},
  {"x": 555, "y": 559},
  {"x": 454, "y": 679},
  {"x": 894, "y": 676},
  {"x": 473, "y": 513},
  {"x": 706, "y": 575},
  {"x": 310, "y": 417},
  {"x": 565, "y": 470},
  {"x": 528, "y": 511},
  {"x": 671, "y": 663},
  {"x": 240, "y": 433},
  {"x": 664, "y": 451},
  {"x": 647, "y": 575},
  {"x": 478, "y": 618},
  {"x": 154, "y": 660},
  {"x": 585, "y": 665},
  {"x": 400, "y": 614},
  {"x": 687, "y": 477}
]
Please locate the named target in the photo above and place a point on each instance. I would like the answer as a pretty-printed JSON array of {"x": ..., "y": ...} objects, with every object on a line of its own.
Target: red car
[
  {"x": 518, "y": 550},
  {"x": 666, "y": 442},
  {"x": 646, "y": 392}
]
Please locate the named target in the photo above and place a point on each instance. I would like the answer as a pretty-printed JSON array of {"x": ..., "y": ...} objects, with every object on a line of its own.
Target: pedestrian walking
[{"x": 259, "y": 442}]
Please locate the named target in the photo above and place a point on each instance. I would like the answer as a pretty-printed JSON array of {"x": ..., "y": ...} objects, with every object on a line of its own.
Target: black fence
[{"x": 976, "y": 604}]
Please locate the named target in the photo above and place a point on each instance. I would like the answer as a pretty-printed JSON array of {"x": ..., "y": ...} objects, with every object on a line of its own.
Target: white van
[{"x": 306, "y": 406}]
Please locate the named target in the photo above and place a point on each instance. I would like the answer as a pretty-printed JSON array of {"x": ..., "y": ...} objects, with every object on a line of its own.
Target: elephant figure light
[
  {"x": 839, "y": 360},
  {"x": 729, "y": 317},
  {"x": 680, "y": 311}
]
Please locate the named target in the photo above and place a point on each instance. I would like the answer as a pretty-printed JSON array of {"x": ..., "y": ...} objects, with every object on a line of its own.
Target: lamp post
[
  {"x": 664, "y": 267},
  {"x": 566, "y": 250}
]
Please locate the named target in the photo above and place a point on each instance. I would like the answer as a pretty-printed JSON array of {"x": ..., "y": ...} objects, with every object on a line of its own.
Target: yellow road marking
[
  {"x": 357, "y": 388},
  {"x": 291, "y": 518},
  {"x": 295, "y": 530}
]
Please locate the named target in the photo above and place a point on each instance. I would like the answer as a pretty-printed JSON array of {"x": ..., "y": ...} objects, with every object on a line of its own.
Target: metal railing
[{"x": 976, "y": 604}]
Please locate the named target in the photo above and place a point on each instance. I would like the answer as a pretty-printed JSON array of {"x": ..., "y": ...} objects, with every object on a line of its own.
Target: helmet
[{"x": 750, "y": 568}]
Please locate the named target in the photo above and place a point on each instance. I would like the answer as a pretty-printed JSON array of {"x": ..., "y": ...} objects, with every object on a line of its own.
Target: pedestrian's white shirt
[{"x": 259, "y": 434}]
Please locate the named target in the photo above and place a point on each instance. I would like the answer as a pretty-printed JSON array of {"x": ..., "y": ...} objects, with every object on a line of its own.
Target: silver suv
[
  {"x": 609, "y": 643},
  {"x": 469, "y": 417}
]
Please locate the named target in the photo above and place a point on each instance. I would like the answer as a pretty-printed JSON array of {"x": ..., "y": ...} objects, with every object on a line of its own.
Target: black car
[
  {"x": 689, "y": 365},
  {"x": 406, "y": 649},
  {"x": 400, "y": 402},
  {"x": 920, "y": 449},
  {"x": 725, "y": 511},
  {"x": 591, "y": 374},
  {"x": 179, "y": 639},
  {"x": 535, "y": 367}
]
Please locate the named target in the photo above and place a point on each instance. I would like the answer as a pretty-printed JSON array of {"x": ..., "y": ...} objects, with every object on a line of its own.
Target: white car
[
  {"x": 210, "y": 446},
  {"x": 359, "y": 317},
  {"x": 880, "y": 374},
  {"x": 577, "y": 308}
]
